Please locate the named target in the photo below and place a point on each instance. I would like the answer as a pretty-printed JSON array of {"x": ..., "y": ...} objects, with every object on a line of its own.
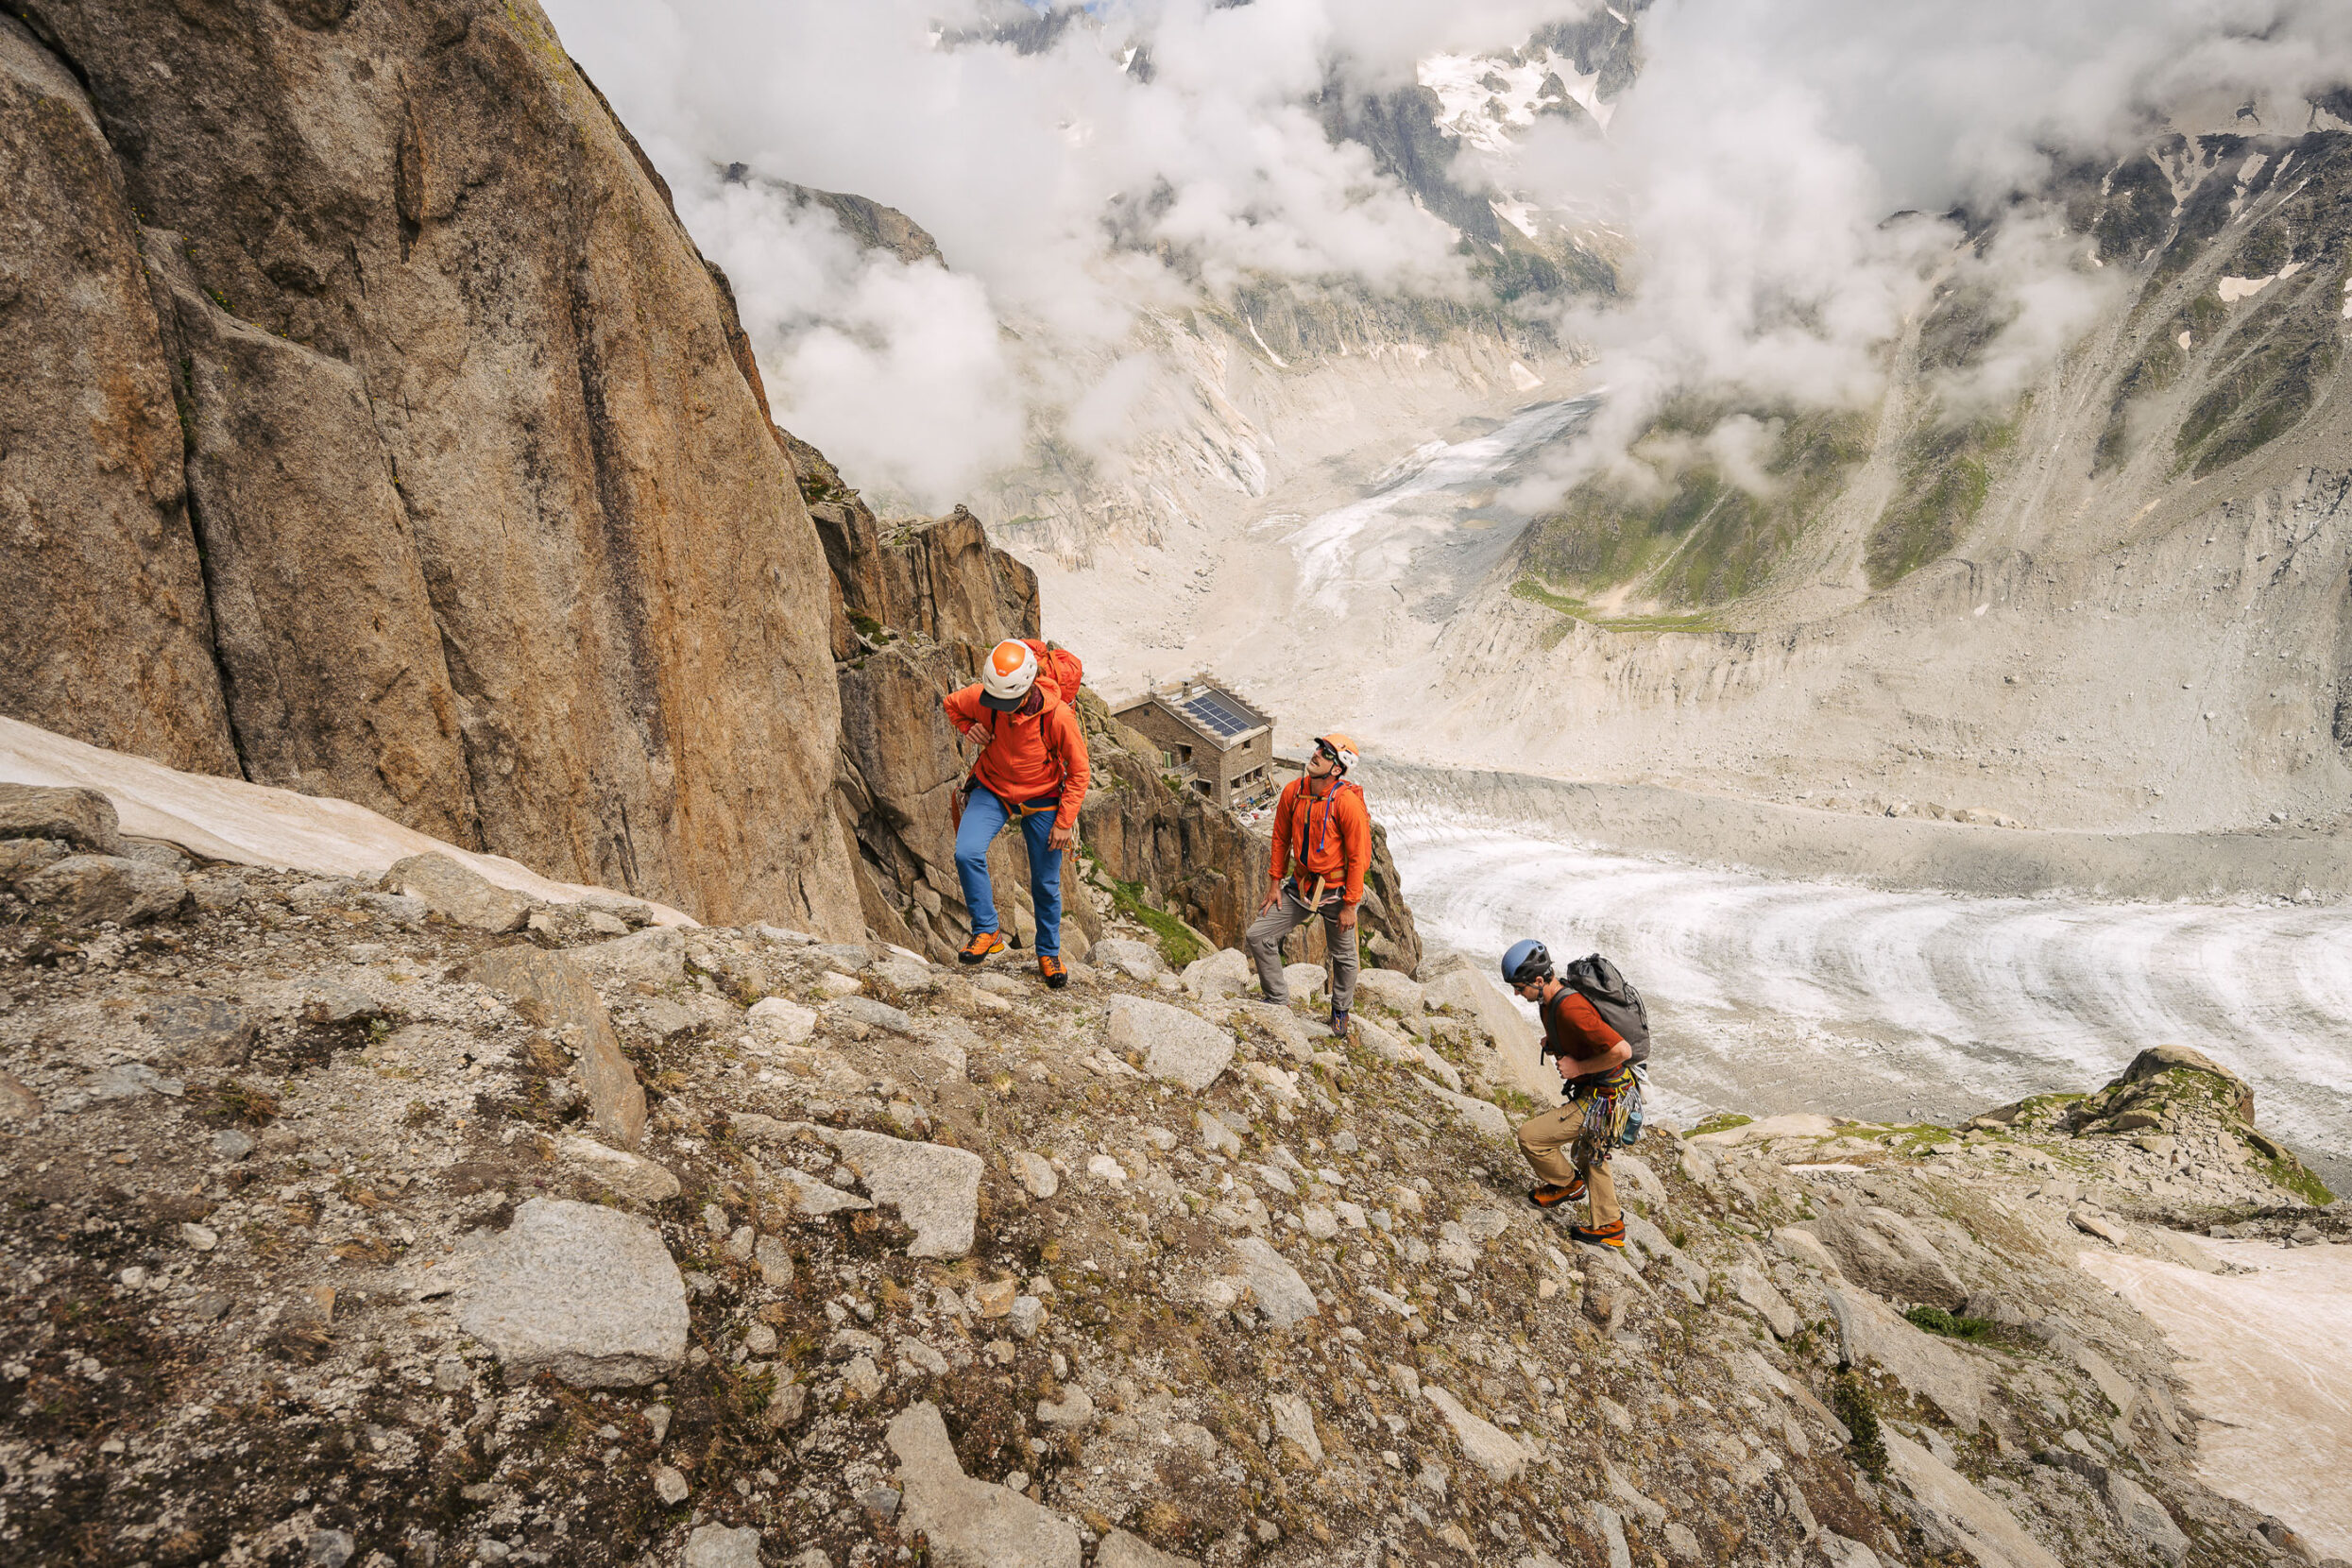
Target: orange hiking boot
[
  {"x": 1551, "y": 1196},
  {"x": 981, "y": 945},
  {"x": 1051, "y": 966},
  {"x": 1600, "y": 1235}
]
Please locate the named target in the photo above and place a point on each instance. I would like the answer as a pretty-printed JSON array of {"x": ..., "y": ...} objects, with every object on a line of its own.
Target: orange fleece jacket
[
  {"x": 1027, "y": 757},
  {"x": 1321, "y": 846}
]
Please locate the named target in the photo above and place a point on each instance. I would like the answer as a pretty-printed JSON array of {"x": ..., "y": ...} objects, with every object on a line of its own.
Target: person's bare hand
[
  {"x": 1273, "y": 896},
  {"x": 1058, "y": 838},
  {"x": 1347, "y": 918}
]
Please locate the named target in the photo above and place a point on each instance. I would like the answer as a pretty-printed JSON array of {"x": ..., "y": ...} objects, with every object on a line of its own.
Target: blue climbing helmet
[{"x": 1526, "y": 963}]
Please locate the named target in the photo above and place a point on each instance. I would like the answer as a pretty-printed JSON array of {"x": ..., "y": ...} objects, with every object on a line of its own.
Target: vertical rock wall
[
  {"x": 494, "y": 534},
  {"x": 103, "y": 629}
]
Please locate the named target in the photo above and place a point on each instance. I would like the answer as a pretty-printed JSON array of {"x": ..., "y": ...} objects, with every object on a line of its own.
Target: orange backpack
[{"x": 1060, "y": 666}]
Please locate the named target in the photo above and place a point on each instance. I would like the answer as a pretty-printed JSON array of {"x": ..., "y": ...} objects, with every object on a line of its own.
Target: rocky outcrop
[
  {"x": 382, "y": 436},
  {"x": 922, "y": 601},
  {"x": 380, "y": 432},
  {"x": 917, "y": 605}
]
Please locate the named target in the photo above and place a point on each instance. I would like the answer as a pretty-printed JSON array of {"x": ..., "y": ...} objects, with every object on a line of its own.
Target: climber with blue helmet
[{"x": 1596, "y": 1031}]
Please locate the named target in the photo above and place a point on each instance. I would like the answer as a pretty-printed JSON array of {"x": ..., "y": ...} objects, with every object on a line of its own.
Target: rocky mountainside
[
  {"x": 343, "y": 1228},
  {"x": 2115, "y": 600}
]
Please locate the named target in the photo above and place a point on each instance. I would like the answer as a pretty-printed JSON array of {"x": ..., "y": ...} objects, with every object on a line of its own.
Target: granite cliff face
[{"x": 380, "y": 432}]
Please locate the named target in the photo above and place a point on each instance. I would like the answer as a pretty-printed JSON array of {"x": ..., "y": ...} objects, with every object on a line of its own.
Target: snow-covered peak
[{"x": 1483, "y": 99}]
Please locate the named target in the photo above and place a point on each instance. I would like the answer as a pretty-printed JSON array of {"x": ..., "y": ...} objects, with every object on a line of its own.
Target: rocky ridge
[
  {"x": 332, "y": 1238},
  {"x": 921, "y": 601}
]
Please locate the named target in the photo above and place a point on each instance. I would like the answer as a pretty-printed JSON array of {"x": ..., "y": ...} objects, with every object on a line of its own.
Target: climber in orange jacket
[
  {"x": 1033, "y": 767},
  {"x": 1322, "y": 847}
]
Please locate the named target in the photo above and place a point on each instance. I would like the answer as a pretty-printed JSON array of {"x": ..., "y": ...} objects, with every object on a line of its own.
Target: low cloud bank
[{"x": 1078, "y": 167}]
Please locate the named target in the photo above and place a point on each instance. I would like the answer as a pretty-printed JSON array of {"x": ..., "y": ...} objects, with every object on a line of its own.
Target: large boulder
[
  {"x": 718, "y": 1546},
  {"x": 1281, "y": 1294},
  {"x": 1175, "y": 1043},
  {"x": 1955, "y": 1516},
  {"x": 584, "y": 1291},
  {"x": 1484, "y": 1115},
  {"x": 969, "y": 1524},
  {"x": 2162, "y": 1082},
  {"x": 457, "y": 894},
  {"x": 1390, "y": 989},
  {"x": 934, "y": 1188},
  {"x": 83, "y": 818},
  {"x": 84, "y": 890},
  {"x": 555, "y": 993},
  {"x": 2143, "y": 1518},
  {"x": 1484, "y": 1444},
  {"x": 1135, "y": 959},
  {"x": 1220, "y": 974},
  {"x": 630, "y": 1175},
  {"x": 204, "y": 1030},
  {"x": 785, "y": 1022},
  {"x": 1879, "y": 1248},
  {"x": 1869, "y": 1330},
  {"x": 1757, "y": 1292},
  {"x": 655, "y": 956},
  {"x": 1121, "y": 1550}
]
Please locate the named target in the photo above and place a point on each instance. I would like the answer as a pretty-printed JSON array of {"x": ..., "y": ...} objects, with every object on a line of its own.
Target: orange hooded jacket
[
  {"x": 1027, "y": 756},
  {"x": 1325, "y": 836}
]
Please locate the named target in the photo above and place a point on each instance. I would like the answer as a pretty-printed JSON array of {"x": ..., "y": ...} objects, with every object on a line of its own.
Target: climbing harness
[{"x": 1612, "y": 1115}]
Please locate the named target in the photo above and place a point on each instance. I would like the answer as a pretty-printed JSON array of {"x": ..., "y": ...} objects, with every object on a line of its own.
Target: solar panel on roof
[{"x": 1219, "y": 717}]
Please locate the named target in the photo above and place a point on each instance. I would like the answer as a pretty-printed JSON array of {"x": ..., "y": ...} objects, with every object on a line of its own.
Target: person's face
[
  {"x": 1320, "y": 764},
  {"x": 1530, "y": 991}
]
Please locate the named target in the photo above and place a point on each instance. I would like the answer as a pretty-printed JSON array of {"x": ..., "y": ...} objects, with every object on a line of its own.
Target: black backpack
[{"x": 1612, "y": 996}]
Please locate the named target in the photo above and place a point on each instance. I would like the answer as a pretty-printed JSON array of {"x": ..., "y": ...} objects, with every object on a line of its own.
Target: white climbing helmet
[{"x": 1005, "y": 679}]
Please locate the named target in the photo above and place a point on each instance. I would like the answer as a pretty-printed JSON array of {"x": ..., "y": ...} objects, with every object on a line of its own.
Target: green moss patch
[
  {"x": 1178, "y": 945},
  {"x": 1947, "y": 474},
  {"x": 1934, "y": 1319},
  {"x": 2295, "y": 1177},
  {"x": 1696, "y": 538},
  {"x": 1536, "y": 594}
]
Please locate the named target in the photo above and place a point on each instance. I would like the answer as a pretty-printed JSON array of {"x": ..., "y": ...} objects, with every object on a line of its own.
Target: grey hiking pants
[{"x": 1263, "y": 942}]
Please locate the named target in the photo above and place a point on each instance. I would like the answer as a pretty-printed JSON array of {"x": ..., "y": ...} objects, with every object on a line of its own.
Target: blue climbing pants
[{"x": 984, "y": 817}]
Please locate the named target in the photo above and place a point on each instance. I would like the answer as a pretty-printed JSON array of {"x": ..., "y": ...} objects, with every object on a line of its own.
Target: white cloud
[{"x": 1749, "y": 173}]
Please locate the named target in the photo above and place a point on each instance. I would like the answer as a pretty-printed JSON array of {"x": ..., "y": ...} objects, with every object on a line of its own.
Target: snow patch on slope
[
  {"x": 1483, "y": 99},
  {"x": 227, "y": 819}
]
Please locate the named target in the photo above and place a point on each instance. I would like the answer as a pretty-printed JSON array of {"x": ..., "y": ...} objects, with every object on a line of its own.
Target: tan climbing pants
[{"x": 1541, "y": 1138}]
